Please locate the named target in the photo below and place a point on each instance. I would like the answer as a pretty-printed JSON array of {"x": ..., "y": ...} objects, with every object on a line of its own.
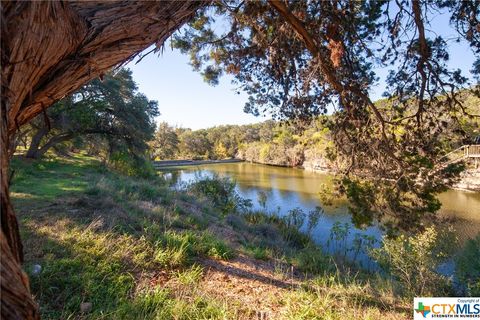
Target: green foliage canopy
[
  {"x": 110, "y": 114},
  {"x": 296, "y": 59}
]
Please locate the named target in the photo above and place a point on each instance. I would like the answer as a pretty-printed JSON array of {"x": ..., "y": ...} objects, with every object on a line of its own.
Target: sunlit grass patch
[
  {"x": 176, "y": 249},
  {"x": 259, "y": 253},
  {"x": 161, "y": 304},
  {"x": 214, "y": 247},
  {"x": 50, "y": 178},
  {"x": 21, "y": 195},
  {"x": 82, "y": 266},
  {"x": 335, "y": 296},
  {"x": 190, "y": 276}
]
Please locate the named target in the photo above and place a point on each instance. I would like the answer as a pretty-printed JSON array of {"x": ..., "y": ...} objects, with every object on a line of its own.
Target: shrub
[
  {"x": 289, "y": 226},
  {"x": 312, "y": 260},
  {"x": 313, "y": 218},
  {"x": 295, "y": 237},
  {"x": 132, "y": 165},
  {"x": 295, "y": 218},
  {"x": 236, "y": 222},
  {"x": 413, "y": 260},
  {"x": 262, "y": 199},
  {"x": 468, "y": 266},
  {"x": 221, "y": 192},
  {"x": 266, "y": 230},
  {"x": 338, "y": 237}
]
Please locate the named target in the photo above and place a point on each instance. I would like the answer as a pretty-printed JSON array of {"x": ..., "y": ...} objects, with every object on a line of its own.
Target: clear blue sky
[{"x": 185, "y": 100}]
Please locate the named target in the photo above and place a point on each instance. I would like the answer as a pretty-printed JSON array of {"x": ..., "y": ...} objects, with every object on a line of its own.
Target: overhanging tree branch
[{"x": 325, "y": 65}]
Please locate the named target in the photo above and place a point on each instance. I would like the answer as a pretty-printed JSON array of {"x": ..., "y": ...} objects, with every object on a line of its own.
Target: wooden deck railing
[
  {"x": 472, "y": 151},
  {"x": 464, "y": 152}
]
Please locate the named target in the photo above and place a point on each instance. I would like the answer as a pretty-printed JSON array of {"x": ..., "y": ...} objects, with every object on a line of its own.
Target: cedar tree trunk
[
  {"x": 32, "y": 151},
  {"x": 48, "y": 50}
]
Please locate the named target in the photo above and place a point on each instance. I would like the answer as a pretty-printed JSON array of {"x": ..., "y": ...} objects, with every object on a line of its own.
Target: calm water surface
[{"x": 288, "y": 188}]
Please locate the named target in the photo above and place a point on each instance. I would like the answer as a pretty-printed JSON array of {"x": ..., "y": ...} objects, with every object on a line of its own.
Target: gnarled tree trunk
[
  {"x": 48, "y": 50},
  {"x": 32, "y": 151},
  {"x": 35, "y": 151}
]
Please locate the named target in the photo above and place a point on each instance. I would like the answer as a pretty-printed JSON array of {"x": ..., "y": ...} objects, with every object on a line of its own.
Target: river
[{"x": 289, "y": 188}]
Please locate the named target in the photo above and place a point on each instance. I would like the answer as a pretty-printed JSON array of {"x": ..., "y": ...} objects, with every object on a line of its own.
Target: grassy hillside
[{"x": 115, "y": 247}]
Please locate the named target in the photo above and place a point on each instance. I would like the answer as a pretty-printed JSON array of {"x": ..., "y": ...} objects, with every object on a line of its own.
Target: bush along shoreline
[{"x": 99, "y": 244}]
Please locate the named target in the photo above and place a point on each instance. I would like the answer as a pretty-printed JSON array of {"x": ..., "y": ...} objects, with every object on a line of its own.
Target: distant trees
[
  {"x": 165, "y": 142},
  {"x": 269, "y": 142},
  {"x": 109, "y": 113},
  {"x": 309, "y": 143},
  {"x": 284, "y": 144},
  {"x": 195, "y": 144}
]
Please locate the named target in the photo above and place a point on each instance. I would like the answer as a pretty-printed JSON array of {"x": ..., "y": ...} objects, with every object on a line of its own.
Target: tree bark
[
  {"x": 17, "y": 302},
  {"x": 35, "y": 143},
  {"x": 35, "y": 151},
  {"x": 51, "y": 143},
  {"x": 48, "y": 50}
]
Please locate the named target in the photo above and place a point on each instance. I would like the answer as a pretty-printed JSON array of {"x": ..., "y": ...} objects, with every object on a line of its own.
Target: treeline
[
  {"x": 308, "y": 144},
  {"x": 271, "y": 142}
]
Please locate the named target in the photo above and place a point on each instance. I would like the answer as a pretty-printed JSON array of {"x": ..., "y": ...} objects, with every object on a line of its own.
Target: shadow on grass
[
  {"x": 247, "y": 274},
  {"x": 48, "y": 179},
  {"x": 73, "y": 273},
  {"x": 97, "y": 242},
  {"x": 95, "y": 249}
]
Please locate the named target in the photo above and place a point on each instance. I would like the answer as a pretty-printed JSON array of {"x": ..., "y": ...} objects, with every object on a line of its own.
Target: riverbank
[
  {"x": 469, "y": 179},
  {"x": 98, "y": 244},
  {"x": 179, "y": 163}
]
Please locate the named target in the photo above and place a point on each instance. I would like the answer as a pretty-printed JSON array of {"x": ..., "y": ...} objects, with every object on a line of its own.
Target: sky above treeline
[{"x": 185, "y": 100}]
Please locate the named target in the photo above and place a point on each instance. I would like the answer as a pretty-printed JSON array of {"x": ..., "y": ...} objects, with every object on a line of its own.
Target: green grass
[
  {"x": 215, "y": 248},
  {"x": 81, "y": 266},
  {"x": 97, "y": 267},
  {"x": 134, "y": 249},
  {"x": 51, "y": 178},
  {"x": 340, "y": 296},
  {"x": 190, "y": 276},
  {"x": 258, "y": 253},
  {"x": 159, "y": 305},
  {"x": 93, "y": 230},
  {"x": 176, "y": 249}
]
